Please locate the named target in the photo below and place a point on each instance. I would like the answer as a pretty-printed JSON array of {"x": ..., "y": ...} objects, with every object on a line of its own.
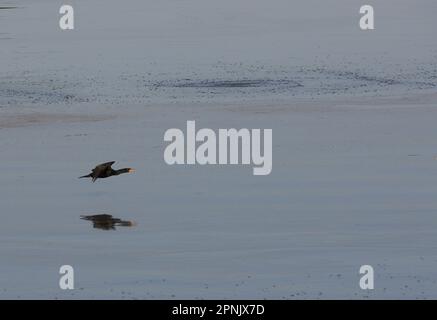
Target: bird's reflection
[{"x": 107, "y": 222}]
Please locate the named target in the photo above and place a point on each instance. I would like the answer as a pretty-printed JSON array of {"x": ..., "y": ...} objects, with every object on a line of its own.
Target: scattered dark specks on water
[
  {"x": 107, "y": 222},
  {"x": 229, "y": 84}
]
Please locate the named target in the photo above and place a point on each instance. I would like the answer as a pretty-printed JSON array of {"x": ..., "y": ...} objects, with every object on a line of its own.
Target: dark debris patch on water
[
  {"x": 224, "y": 88},
  {"x": 37, "y": 97},
  {"x": 363, "y": 79},
  {"x": 35, "y": 90},
  {"x": 226, "y": 84},
  {"x": 302, "y": 82}
]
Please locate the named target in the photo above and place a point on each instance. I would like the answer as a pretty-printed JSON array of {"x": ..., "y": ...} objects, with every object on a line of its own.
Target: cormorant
[{"x": 104, "y": 170}]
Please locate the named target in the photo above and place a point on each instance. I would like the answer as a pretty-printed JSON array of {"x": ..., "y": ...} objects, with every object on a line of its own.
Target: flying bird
[{"x": 105, "y": 170}]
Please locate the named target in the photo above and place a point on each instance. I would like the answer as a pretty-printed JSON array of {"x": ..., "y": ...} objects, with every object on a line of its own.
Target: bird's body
[{"x": 105, "y": 170}]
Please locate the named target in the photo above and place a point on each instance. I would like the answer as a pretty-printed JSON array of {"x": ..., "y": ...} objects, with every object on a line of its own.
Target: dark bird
[
  {"x": 107, "y": 222},
  {"x": 105, "y": 170}
]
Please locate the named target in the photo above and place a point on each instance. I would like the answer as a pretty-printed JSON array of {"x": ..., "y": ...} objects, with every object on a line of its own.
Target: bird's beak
[{"x": 131, "y": 170}]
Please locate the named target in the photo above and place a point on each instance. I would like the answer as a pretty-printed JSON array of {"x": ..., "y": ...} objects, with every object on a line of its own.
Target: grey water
[{"x": 347, "y": 108}]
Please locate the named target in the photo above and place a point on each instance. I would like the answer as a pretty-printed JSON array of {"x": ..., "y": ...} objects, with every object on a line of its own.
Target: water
[{"x": 353, "y": 122}]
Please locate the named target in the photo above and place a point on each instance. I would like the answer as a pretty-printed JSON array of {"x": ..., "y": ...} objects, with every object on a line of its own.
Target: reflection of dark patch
[
  {"x": 7, "y": 8},
  {"x": 107, "y": 222},
  {"x": 224, "y": 84}
]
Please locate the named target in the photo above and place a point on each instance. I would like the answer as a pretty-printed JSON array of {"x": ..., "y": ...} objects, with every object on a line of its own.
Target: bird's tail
[{"x": 87, "y": 176}]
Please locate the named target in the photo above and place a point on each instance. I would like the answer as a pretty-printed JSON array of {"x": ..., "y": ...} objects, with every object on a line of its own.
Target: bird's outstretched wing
[{"x": 105, "y": 165}]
